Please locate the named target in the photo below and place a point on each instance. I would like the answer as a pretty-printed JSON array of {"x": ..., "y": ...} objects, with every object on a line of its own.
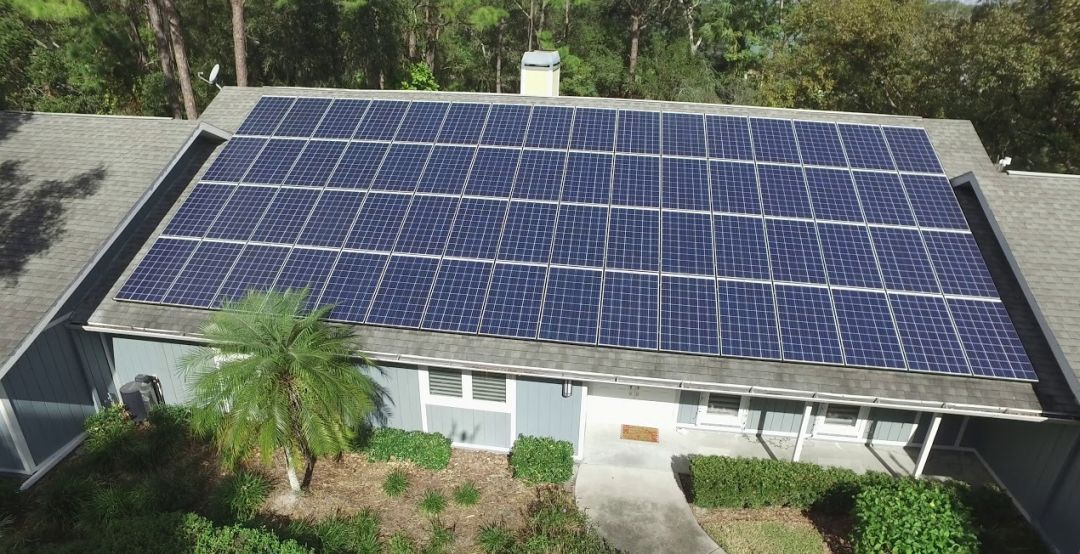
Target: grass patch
[
  {"x": 396, "y": 483},
  {"x": 496, "y": 539},
  {"x": 433, "y": 503},
  {"x": 466, "y": 494},
  {"x": 765, "y": 537}
]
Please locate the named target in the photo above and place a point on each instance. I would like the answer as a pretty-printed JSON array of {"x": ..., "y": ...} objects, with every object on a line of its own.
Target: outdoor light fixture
[{"x": 567, "y": 389}]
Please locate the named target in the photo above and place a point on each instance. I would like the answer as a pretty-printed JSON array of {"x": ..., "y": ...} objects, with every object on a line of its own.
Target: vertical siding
[
  {"x": 767, "y": 415},
  {"x": 397, "y": 391},
  {"x": 542, "y": 411},
  {"x": 91, "y": 351},
  {"x": 49, "y": 393},
  {"x": 1058, "y": 518},
  {"x": 890, "y": 425},
  {"x": 160, "y": 359},
  {"x": 9, "y": 457},
  {"x": 689, "y": 401},
  {"x": 470, "y": 426}
]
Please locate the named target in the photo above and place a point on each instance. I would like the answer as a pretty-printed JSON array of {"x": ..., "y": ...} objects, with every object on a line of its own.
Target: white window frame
[
  {"x": 737, "y": 421},
  {"x": 821, "y": 428},
  {"x": 467, "y": 401}
]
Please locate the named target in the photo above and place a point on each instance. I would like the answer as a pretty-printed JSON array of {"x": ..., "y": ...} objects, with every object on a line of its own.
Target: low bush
[
  {"x": 542, "y": 460},
  {"x": 169, "y": 426},
  {"x": 400, "y": 543},
  {"x": 240, "y": 496},
  {"x": 427, "y": 450},
  {"x": 396, "y": 483},
  {"x": 496, "y": 539},
  {"x": 556, "y": 525},
  {"x": 358, "y": 534},
  {"x": 466, "y": 494},
  {"x": 910, "y": 516},
  {"x": 433, "y": 503},
  {"x": 107, "y": 431}
]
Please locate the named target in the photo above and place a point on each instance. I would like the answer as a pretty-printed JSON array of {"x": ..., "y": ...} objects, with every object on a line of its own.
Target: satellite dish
[{"x": 214, "y": 73}]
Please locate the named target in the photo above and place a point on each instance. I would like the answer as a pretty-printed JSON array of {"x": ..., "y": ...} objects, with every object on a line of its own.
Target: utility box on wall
[{"x": 540, "y": 73}]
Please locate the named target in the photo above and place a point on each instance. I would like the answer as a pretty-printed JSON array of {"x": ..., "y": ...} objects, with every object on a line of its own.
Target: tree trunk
[
  {"x": 239, "y": 38},
  {"x": 432, "y": 36},
  {"x": 532, "y": 27},
  {"x": 566, "y": 20},
  {"x": 635, "y": 36},
  {"x": 410, "y": 43},
  {"x": 309, "y": 471},
  {"x": 133, "y": 35},
  {"x": 164, "y": 50},
  {"x": 176, "y": 35},
  {"x": 542, "y": 20},
  {"x": 294, "y": 482},
  {"x": 498, "y": 59}
]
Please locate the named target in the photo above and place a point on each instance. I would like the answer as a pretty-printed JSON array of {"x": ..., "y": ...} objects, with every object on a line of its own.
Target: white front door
[{"x": 632, "y": 405}]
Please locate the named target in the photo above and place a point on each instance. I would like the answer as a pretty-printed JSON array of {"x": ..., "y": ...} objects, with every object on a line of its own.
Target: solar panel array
[{"x": 752, "y": 237}]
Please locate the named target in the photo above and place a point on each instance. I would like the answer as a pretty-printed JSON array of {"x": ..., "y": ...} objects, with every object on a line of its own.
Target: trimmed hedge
[
  {"x": 914, "y": 517},
  {"x": 542, "y": 460},
  {"x": 427, "y": 450}
]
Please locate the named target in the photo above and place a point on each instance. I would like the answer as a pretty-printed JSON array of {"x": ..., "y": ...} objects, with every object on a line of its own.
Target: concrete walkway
[{"x": 640, "y": 510}]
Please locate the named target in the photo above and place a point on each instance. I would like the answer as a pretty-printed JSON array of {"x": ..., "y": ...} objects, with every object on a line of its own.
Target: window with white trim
[
  {"x": 840, "y": 419},
  {"x": 722, "y": 409},
  {"x": 464, "y": 388}
]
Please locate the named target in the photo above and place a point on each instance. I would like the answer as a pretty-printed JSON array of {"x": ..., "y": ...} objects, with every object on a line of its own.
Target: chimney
[{"x": 540, "y": 73}]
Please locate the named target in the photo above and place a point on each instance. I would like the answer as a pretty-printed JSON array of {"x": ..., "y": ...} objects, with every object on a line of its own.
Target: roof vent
[{"x": 540, "y": 73}]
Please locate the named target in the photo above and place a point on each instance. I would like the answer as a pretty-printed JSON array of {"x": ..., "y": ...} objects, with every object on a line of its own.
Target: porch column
[
  {"x": 928, "y": 443},
  {"x": 807, "y": 411}
]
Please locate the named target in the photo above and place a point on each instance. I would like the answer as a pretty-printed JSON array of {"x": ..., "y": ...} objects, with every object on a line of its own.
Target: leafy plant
[
  {"x": 442, "y": 537},
  {"x": 912, "y": 516},
  {"x": 396, "y": 483},
  {"x": 241, "y": 495},
  {"x": 496, "y": 539},
  {"x": 358, "y": 534},
  {"x": 107, "y": 431},
  {"x": 466, "y": 494},
  {"x": 542, "y": 460},
  {"x": 400, "y": 543},
  {"x": 556, "y": 525},
  {"x": 427, "y": 450},
  {"x": 433, "y": 502}
]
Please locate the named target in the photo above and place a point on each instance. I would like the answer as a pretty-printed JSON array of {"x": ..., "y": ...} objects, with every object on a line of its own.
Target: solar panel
[
  {"x": 303, "y": 117},
  {"x": 199, "y": 211},
  {"x": 358, "y": 165},
  {"x": 904, "y": 263},
  {"x": 313, "y": 166},
  {"x": 934, "y": 203},
  {"x": 285, "y": 216},
  {"x": 927, "y": 334},
  {"x": 819, "y": 144},
  {"x": 594, "y": 130},
  {"x": 422, "y": 122},
  {"x": 382, "y": 120},
  {"x": 638, "y": 132},
  {"x": 512, "y": 308},
  {"x": 629, "y": 312},
  {"x": 265, "y": 116},
  {"x": 159, "y": 267},
  {"x": 549, "y": 127},
  {"x": 748, "y": 320},
  {"x": 426, "y": 225},
  {"x": 734, "y": 188},
  {"x": 379, "y": 222},
  {"x": 306, "y": 268},
  {"x": 506, "y": 125},
  {"x": 865, "y": 146},
  {"x": 688, "y": 316},
  {"x": 476, "y": 230},
  {"x": 867, "y": 329},
  {"x": 493, "y": 172},
  {"x": 686, "y": 184},
  {"x": 457, "y": 297},
  {"x": 352, "y": 284},
  {"x": 235, "y": 159},
  {"x": 588, "y": 178},
  {"x": 527, "y": 234},
  {"x": 634, "y": 239},
  {"x": 635, "y": 181},
  {"x": 911, "y": 149},
  {"x": 197, "y": 284},
  {"x": 256, "y": 269},
  {"x": 959, "y": 264},
  {"x": 783, "y": 191},
  {"x": 580, "y": 235},
  {"x": 832, "y": 195},
  {"x": 883, "y": 198},
  {"x": 403, "y": 291},
  {"x": 341, "y": 119},
  {"x": 400, "y": 169},
  {"x": 274, "y": 161},
  {"x": 990, "y": 341},
  {"x": 728, "y": 137},
  {"x": 540, "y": 175},
  {"x": 571, "y": 305},
  {"x": 774, "y": 140},
  {"x": 684, "y": 134},
  {"x": 329, "y": 222},
  {"x": 447, "y": 169},
  {"x": 849, "y": 256},
  {"x": 807, "y": 325},
  {"x": 740, "y": 247},
  {"x": 241, "y": 213},
  {"x": 687, "y": 243},
  {"x": 794, "y": 251},
  {"x": 463, "y": 123}
]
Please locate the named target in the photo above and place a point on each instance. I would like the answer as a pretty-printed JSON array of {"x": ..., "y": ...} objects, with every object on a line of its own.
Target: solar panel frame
[
  {"x": 358, "y": 165},
  {"x": 422, "y": 122},
  {"x": 378, "y": 223},
  {"x": 748, "y": 323},
  {"x": 382, "y": 120},
  {"x": 476, "y": 230},
  {"x": 728, "y": 137},
  {"x": 865, "y": 146},
  {"x": 457, "y": 296},
  {"x": 867, "y": 329},
  {"x": 683, "y": 134},
  {"x": 794, "y": 251},
  {"x": 265, "y": 116},
  {"x": 593, "y": 130},
  {"x": 447, "y": 169},
  {"x": 549, "y": 127},
  {"x": 199, "y": 210},
  {"x": 302, "y": 118},
  {"x": 783, "y": 191},
  {"x": 426, "y": 225},
  {"x": 630, "y": 312},
  {"x": 905, "y": 264},
  {"x": 774, "y": 140},
  {"x": 638, "y": 132},
  {"x": 241, "y": 213},
  {"x": 274, "y": 162},
  {"x": 819, "y": 144},
  {"x": 934, "y": 202},
  {"x": 571, "y": 306},
  {"x": 588, "y": 178},
  {"x": 493, "y": 172},
  {"x": 514, "y": 300},
  {"x": 463, "y": 124},
  {"x": 883, "y": 198},
  {"x": 256, "y": 269},
  {"x": 306, "y": 268},
  {"x": 285, "y": 216},
  {"x": 734, "y": 187},
  {"x": 849, "y": 256},
  {"x": 688, "y": 315},
  {"x": 912, "y": 150},
  {"x": 959, "y": 264},
  {"x": 235, "y": 159},
  {"x": 636, "y": 181},
  {"x": 506, "y": 125},
  {"x": 580, "y": 236},
  {"x": 631, "y": 223},
  {"x": 197, "y": 283},
  {"x": 741, "y": 247},
  {"x": 686, "y": 184},
  {"x": 808, "y": 329},
  {"x": 686, "y": 243},
  {"x": 540, "y": 175},
  {"x": 351, "y": 285},
  {"x": 331, "y": 219},
  {"x": 157, "y": 270},
  {"x": 927, "y": 334},
  {"x": 990, "y": 340},
  {"x": 403, "y": 291},
  {"x": 342, "y": 118},
  {"x": 315, "y": 163},
  {"x": 401, "y": 167},
  {"x": 832, "y": 195},
  {"x": 528, "y": 232}
]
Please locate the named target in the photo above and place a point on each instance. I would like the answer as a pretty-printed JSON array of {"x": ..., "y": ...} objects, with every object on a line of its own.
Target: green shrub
[
  {"x": 427, "y": 450},
  {"x": 554, "y": 524},
  {"x": 542, "y": 460},
  {"x": 913, "y": 517},
  {"x": 396, "y": 483},
  {"x": 113, "y": 502},
  {"x": 433, "y": 502},
  {"x": 106, "y": 432},
  {"x": 400, "y": 543},
  {"x": 174, "y": 532},
  {"x": 442, "y": 537},
  {"x": 466, "y": 494},
  {"x": 496, "y": 539},
  {"x": 241, "y": 495},
  {"x": 358, "y": 534},
  {"x": 169, "y": 426}
]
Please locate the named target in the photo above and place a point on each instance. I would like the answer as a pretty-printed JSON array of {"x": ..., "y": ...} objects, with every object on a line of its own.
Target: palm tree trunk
[
  {"x": 180, "y": 53},
  {"x": 239, "y": 37},
  {"x": 309, "y": 471},
  {"x": 164, "y": 50},
  {"x": 294, "y": 482}
]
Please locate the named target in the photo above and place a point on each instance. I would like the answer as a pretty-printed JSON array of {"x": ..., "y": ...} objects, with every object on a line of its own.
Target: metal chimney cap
[{"x": 541, "y": 58}]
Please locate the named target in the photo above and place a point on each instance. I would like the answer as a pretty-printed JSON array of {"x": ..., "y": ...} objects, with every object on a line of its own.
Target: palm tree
[{"x": 274, "y": 377}]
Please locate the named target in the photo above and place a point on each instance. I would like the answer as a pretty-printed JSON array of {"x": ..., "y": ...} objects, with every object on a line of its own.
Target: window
[
  {"x": 467, "y": 389},
  {"x": 839, "y": 419},
  {"x": 721, "y": 409}
]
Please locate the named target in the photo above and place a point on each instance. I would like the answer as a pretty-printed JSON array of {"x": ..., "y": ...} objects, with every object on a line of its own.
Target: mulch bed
[
  {"x": 353, "y": 484},
  {"x": 835, "y": 530}
]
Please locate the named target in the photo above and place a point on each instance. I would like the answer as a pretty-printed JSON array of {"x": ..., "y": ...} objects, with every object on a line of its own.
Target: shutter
[
  {"x": 847, "y": 416},
  {"x": 724, "y": 404},
  {"x": 444, "y": 383},
  {"x": 489, "y": 386}
]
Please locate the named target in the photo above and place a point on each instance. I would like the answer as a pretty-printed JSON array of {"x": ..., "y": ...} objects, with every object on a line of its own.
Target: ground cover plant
[{"x": 542, "y": 459}]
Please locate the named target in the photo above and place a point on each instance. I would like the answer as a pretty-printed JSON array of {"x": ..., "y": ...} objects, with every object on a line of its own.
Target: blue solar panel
[
  {"x": 198, "y": 282},
  {"x": 513, "y": 302},
  {"x": 638, "y": 132},
  {"x": 527, "y": 233},
  {"x": 634, "y": 239},
  {"x": 630, "y": 310},
  {"x": 505, "y": 125},
  {"x": 748, "y": 320},
  {"x": 241, "y": 213},
  {"x": 427, "y": 225},
  {"x": 588, "y": 178},
  {"x": 422, "y": 122},
  {"x": 927, "y": 334},
  {"x": 833, "y": 195},
  {"x": 883, "y": 198},
  {"x": 684, "y": 134},
  {"x": 959, "y": 264},
  {"x": 594, "y": 130},
  {"x": 158, "y": 269},
  {"x": 285, "y": 216},
  {"x": 457, "y": 298},
  {"x": 571, "y": 305},
  {"x": 819, "y": 144},
  {"x": 303, "y": 117},
  {"x": 734, "y": 187},
  {"x": 911, "y": 149},
  {"x": 688, "y": 317},
  {"x": 904, "y": 262},
  {"x": 476, "y": 230},
  {"x": 358, "y": 165},
  {"x": 331, "y": 218},
  {"x": 540, "y": 175},
  {"x": 728, "y": 137},
  {"x": 401, "y": 168},
  {"x": 274, "y": 161},
  {"x": 740, "y": 247},
  {"x": 255, "y": 269},
  {"x": 463, "y": 124},
  {"x": 794, "y": 251},
  {"x": 849, "y": 257},
  {"x": 549, "y": 127},
  {"x": 867, "y": 329},
  {"x": 379, "y": 222},
  {"x": 352, "y": 284},
  {"x": 382, "y": 120},
  {"x": 341, "y": 119},
  {"x": 235, "y": 159},
  {"x": 990, "y": 340},
  {"x": 315, "y": 163},
  {"x": 306, "y": 268},
  {"x": 807, "y": 325},
  {"x": 446, "y": 169},
  {"x": 493, "y": 172},
  {"x": 783, "y": 191},
  {"x": 686, "y": 184},
  {"x": 637, "y": 181},
  {"x": 403, "y": 291},
  {"x": 200, "y": 209},
  {"x": 865, "y": 146},
  {"x": 934, "y": 202},
  {"x": 580, "y": 235},
  {"x": 265, "y": 116},
  {"x": 774, "y": 140},
  {"x": 687, "y": 245}
]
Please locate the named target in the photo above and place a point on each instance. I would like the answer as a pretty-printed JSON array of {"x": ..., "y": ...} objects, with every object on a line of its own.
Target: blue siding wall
[
  {"x": 767, "y": 415},
  {"x": 92, "y": 353},
  {"x": 470, "y": 426},
  {"x": 890, "y": 425},
  {"x": 9, "y": 457},
  {"x": 689, "y": 401},
  {"x": 160, "y": 359},
  {"x": 542, "y": 411},
  {"x": 398, "y": 397}
]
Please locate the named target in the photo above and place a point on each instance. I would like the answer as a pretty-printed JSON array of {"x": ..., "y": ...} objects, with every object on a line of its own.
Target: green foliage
[
  {"x": 912, "y": 516},
  {"x": 496, "y": 539},
  {"x": 358, "y": 534},
  {"x": 765, "y": 536},
  {"x": 427, "y": 450},
  {"x": 241, "y": 495},
  {"x": 433, "y": 502},
  {"x": 542, "y": 460},
  {"x": 107, "y": 430},
  {"x": 466, "y": 494},
  {"x": 419, "y": 77},
  {"x": 396, "y": 483},
  {"x": 555, "y": 524},
  {"x": 442, "y": 537},
  {"x": 400, "y": 543}
]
